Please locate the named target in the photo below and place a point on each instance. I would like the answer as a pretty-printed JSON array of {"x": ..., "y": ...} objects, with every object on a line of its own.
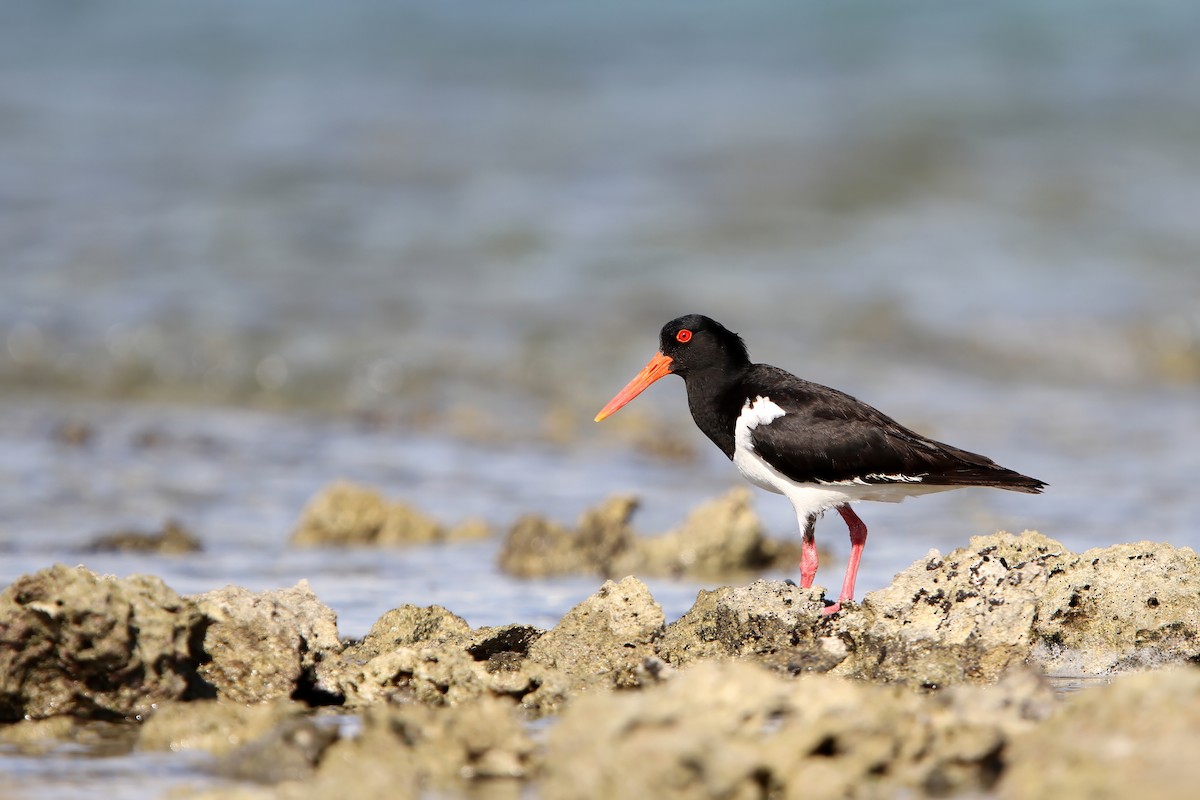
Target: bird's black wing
[{"x": 826, "y": 436}]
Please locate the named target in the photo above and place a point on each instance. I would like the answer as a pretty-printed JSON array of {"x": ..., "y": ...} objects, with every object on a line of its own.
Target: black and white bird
[{"x": 817, "y": 446}]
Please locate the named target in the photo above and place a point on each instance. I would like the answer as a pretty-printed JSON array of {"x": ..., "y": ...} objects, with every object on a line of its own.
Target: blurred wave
[{"x": 412, "y": 208}]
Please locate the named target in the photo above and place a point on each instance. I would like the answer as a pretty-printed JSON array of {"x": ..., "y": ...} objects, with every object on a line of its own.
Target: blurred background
[{"x": 247, "y": 248}]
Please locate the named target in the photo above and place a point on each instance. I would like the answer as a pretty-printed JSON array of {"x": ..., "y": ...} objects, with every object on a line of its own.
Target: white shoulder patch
[{"x": 759, "y": 412}]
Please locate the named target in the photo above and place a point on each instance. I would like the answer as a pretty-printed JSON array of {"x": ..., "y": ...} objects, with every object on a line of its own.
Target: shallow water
[
  {"x": 256, "y": 247},
  {"x": 419, "y": 209},
  {"x": 239, "y": 479},
  {"x": 65, "y": 774}
]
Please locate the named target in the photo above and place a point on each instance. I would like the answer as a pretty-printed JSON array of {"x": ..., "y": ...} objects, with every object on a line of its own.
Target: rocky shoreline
[{"x": 933, "y": 686}]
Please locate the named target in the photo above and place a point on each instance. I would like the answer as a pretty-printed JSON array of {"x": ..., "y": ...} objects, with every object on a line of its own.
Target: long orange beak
[{"x": 659, "y": 366}]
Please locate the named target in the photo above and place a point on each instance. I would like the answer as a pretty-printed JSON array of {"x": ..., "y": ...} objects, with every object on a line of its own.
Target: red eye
[{"x": 683, "y": 336}]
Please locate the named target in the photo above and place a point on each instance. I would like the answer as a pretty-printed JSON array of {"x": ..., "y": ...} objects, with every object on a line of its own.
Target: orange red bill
[{"x": 659, "y": 366}]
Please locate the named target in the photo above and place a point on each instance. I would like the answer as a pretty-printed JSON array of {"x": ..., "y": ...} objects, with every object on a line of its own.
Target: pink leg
[
  {"x": 808, "y": 554},
  {"x": 858, "y": 539}
]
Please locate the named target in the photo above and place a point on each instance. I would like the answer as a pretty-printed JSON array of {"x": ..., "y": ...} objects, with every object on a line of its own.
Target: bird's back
[{"x": 827, "y": 436}]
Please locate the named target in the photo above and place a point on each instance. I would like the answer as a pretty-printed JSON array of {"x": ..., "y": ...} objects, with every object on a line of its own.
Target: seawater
[{"x": 257, "y": 247}]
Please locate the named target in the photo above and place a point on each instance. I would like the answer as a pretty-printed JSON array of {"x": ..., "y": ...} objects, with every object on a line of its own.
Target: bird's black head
[
  {"x": 688, "y": 346},
  {"x": 696, "y": 342}
]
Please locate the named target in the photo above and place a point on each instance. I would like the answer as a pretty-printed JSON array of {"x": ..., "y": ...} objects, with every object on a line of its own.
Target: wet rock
[
  {"x": 654, "y": 436},
  {"x": 966, "y": 616},
  {"x": 603, "y": 642},
  {"x": 406, "y": 626},
  {"x": 345, "y": 514},
  {"x": 721, "y": 537},
  {"x": 288, "y": 752},
  {"x": 484, "y": 739},
  {"x": 731, "y": 729},
  {"x": 413, "y": 750},
  {"x": 604, "y": 533},
  {"x": 479, "y": 749},
  {"x": 538, "y": 547},
  {"x": 38, "y": 735},
  {"x": 74, "y": 642},
  {"x": 1003, "y": 600},
  {"x": 41, "y": 737},
  {"x": 247, "y": 792},
  {"x": 413, "y": 654},
  {"x": 217, "y": 727},
  {"x": 433, "y": 675},
  {"x": 726, "y": 701},
  {"x": 468, "y": 530},
  {"x": 1118, "y": 608},
  {"x": 1135, "y": 738},
  {"x": 74, "y": 432},
  {"x": 430, "y": 656},
  {"x": 605, "y": 639},
  {"x": 172, "y": 540},
  {"x": 767, "y": 619},
  {"x": 503, "y": 648},
  {"x": 269, "y": 645}
]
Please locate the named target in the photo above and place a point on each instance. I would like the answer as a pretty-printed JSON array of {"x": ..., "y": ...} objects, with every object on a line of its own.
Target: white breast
[{"x": 759, "y": 412}]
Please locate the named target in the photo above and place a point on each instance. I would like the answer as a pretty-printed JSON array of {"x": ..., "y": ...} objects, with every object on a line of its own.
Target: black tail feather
[
  {"x": 996, "y": 477},
  {"x": 953, "y": 466}
]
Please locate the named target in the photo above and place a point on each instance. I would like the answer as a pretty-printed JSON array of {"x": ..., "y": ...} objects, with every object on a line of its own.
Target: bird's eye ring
[{"x": 683, "y": 336}]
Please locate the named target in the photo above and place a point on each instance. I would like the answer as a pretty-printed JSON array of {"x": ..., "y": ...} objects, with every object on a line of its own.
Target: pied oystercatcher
[{"x": 817, "y": 446}]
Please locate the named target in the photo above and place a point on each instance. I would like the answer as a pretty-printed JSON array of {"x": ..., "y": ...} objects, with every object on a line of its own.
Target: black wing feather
[{"x": 827, "y": 435}]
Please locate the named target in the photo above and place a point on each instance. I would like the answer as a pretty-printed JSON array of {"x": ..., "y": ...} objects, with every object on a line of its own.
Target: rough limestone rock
[
  {"x": 1005, "y": 600},
  {"x": 605, "y": 639},
  {"x": 484, "y": 739},
  {"x": 1137, "y": 737},
  {"x": 411, "y": 751},
  {"x": 729, "y": 729},
  {"x": 604, "y": 532},
  {"x": 214, "y": 726},
  {"x": 538, "y": 547},
  {"x": 428, "y": 655},
  {"x": 425, "y": 656},
  {"x": 172, "y": 540},
  {"x": 288, "y": 752},
  {"x": 44, "y": 737},
  {"x": 250, "y": 791},
  {"x": 1118, "y": 608},
  {"x": 697, "y": 708},
  {"x": 966, "y": 616},
  {"x": 74, "y": 642},
  {"x": 345, "y": 514},
  {"x": 406, "y": 626},
  {"x": 269, "y": 645},
  {"x": 721, "y": 537},
  {"x": 770, "y": 620},
  {"x": 479, "y": 749},
  {"x": 433, "y": 674}
]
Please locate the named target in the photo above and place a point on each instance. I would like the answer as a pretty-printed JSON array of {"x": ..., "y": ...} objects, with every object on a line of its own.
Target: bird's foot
[{"x": 833, "y": 608}]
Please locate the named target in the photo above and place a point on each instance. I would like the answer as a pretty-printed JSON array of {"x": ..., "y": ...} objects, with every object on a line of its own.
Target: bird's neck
[{"x": 715, "y": 404}]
